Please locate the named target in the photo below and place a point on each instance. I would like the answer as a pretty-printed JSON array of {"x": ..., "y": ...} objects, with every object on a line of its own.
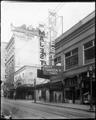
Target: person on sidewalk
[{"x": 90, "y": 102}]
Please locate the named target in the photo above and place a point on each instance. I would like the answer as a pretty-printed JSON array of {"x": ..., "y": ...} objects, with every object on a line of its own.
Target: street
[{"x": 26, "y": 109}]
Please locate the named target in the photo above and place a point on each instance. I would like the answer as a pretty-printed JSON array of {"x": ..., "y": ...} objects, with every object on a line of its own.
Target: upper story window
[
  {"x": 57, "y": 60},
  {"x": 71, "y": 58},
  {"x": 89, "y": 51}
]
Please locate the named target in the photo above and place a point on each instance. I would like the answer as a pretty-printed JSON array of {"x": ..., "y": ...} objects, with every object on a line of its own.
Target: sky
[{"x": 34, "y": 13}]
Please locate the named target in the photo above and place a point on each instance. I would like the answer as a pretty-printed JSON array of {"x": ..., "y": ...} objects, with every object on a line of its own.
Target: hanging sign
[{"x": 52, "y": 70}]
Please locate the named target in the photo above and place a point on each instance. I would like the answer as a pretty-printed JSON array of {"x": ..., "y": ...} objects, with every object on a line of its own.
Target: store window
[
  {"x": 89, "y": 51},
  {"x": 71, "y": 59}
]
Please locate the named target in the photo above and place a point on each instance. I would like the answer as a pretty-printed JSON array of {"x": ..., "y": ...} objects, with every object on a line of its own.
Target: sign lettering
[
  {"x": 42, "y": 45},
  {"x": 52, "y": 69}
]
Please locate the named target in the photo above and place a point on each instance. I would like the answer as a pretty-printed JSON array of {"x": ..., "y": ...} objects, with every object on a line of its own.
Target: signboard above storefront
[{"x": 52, "y": 70}]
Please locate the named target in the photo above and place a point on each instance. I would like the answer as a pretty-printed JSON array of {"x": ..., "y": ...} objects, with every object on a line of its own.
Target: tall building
[
  {"x": 3, "y": 60},
  {"x": 26, "y": 47}
]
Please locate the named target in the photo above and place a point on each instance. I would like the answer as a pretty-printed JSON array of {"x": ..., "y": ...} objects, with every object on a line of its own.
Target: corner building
[{"x": 75, "y": 50}]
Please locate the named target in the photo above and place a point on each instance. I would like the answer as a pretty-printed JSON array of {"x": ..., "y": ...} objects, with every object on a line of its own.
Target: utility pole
[{"x": 34, "y": 90}]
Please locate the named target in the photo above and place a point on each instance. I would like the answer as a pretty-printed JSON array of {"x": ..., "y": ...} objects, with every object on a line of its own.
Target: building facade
[
  {"x": 24, "y": 79},
  {"x": 3, "y": 60},
  {"x": 75, "y": 51},
  {"x": 27, "y": 46}
]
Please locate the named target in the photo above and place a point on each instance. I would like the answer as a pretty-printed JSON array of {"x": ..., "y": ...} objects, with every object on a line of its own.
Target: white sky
[{"x": 33, "y": 13}]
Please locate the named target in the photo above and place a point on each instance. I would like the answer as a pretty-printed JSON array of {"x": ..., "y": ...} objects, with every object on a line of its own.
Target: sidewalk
[{"x": 69, "y": 105}]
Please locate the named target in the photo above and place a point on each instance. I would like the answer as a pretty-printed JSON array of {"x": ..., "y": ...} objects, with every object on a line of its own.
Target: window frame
[
  {"x": 85, "y": 49},
  {"x": 71, "y": 55}
]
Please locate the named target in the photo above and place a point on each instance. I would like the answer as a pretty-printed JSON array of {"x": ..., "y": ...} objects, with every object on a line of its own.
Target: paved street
[{"x": 27, "y": 109}]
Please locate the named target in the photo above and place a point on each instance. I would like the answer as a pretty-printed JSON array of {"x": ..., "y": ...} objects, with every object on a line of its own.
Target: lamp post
[
  {"x": 34, "y": 90},
  {"x": 90, "y": 75},
  {"x": 81, "y": 86}
]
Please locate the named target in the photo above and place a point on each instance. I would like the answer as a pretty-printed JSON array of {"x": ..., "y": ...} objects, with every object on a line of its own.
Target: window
[
  {"x": 57, "y": 60},
  {"x": 71, "y": 58},
  {"x": 68, "y": 54},
  {"x": 89, "y": 51}
]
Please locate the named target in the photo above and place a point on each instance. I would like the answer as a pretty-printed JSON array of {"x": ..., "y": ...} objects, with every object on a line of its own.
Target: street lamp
[
  {"x": 90, "y": 75},
  {"x": 34, "y": 90},
  {"x": 81, "y": 84}
]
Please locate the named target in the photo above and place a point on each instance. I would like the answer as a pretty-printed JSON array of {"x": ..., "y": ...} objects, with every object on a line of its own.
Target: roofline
[
  {"x": 4, "y": 42},
  {"x": 76, "y": 26},
  {"x": 26, "y": 66},
  {"x": 34, "y": 32}
]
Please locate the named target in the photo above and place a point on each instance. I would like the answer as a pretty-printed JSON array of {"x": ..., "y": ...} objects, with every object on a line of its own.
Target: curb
[{"x": 64, "y": 106}]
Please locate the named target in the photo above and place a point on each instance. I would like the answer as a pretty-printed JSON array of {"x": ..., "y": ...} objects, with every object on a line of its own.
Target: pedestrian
[{"x": 90, "y": 101}]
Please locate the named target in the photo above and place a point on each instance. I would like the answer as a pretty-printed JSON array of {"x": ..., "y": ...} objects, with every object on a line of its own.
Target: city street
[
  {"x": 48, "y": 60},
  {"x": 26, "y": 109}
]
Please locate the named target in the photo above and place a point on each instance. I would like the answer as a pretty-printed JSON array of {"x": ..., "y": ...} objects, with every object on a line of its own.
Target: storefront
[
  {"x": 42, "y": 92},
  {"x": 72, "y": 91},
  {"x": 24, "y": 92},
  {"x": 56, "y": 94},
  {"x": 78, "y": 86},
  {"x": 88, "y": 83},
  {"x": 50, "y": 92}
]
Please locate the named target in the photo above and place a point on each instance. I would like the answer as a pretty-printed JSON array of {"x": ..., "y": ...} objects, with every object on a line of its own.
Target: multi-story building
[
  {"x": 26, "y": 47},
  {"x": 75, "y": 51},
  {"x": 3, "y": 60}
]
